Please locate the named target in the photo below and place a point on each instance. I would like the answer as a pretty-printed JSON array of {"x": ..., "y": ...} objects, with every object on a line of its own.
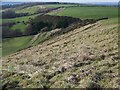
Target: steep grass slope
[
  {"x": 85, "y": 57},
  {"x": 12, "y": 45}
]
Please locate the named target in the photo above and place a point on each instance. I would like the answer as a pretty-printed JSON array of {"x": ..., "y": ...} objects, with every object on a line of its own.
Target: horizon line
[{"x": 56, "y": 2}]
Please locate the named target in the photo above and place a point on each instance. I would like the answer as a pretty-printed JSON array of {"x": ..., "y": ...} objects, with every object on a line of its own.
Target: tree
[{"x": 29, "y": 30}]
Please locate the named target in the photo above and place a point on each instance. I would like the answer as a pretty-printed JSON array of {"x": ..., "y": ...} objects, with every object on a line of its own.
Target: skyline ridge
[{"x": 71, "y": 1}]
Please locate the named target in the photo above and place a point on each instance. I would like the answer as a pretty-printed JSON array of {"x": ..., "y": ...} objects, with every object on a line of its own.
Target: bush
[{"x": 29, "y": 30}]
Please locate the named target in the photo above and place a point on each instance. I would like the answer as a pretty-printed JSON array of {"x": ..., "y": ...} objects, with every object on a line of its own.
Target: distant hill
[
  {"x": 93, "y": 3},
  {"x": 103, "y": 3},
  {"x": 11, "y": 3}
]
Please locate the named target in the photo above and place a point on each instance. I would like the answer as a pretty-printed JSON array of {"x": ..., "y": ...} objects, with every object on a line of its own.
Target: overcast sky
[{"x": 77, "y": 1}]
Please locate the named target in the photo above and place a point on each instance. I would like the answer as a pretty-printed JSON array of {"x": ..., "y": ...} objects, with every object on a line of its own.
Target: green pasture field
[
  {"x": 19, "y": 26},
  {"x": 58, "y": 5},
  {"x": 89, "y": 12},
  {"x": 12, "y": 45}
]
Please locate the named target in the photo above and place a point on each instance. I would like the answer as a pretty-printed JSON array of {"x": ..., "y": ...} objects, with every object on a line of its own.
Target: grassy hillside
[
  {"x": 76, "y": 12},
  {"x": 34, "y": 9},
  {"x": 14, "y": 44},
  {"x": 88, "y": 12},
  {"x": 31, "y": 10},
  {"x": 85, "y": 57}
]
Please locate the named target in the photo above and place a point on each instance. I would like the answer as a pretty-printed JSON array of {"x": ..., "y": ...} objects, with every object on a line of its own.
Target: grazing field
[
  {"x": 19, "y": 26},
  {"x": 12, "y": 45},
  {"x": 89, "y": 12},
  {"x": 58, "y": 5},
  {"x": 110, "y": 21}
]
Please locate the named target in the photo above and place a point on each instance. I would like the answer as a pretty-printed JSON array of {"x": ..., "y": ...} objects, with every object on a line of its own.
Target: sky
[{"x": 75, "y": 1}]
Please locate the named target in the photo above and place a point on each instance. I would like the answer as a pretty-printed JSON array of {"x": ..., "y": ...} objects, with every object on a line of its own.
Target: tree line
[
  {"x": 41, "y": 23},
  {"x": 11, "y": 14}
]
